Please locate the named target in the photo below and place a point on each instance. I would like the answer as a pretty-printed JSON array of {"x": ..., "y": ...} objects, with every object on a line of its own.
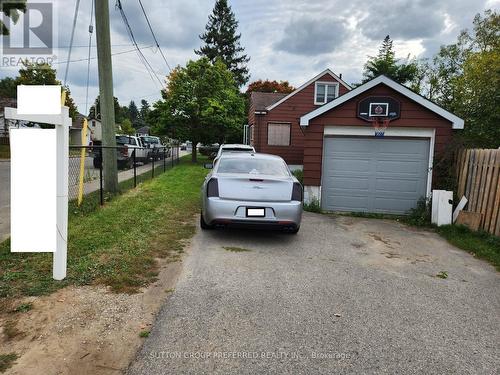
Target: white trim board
[
  {"x": 359, "y": 131},
  {"x": 326, "y": 71},
  {"x": 457, "y": 122}
]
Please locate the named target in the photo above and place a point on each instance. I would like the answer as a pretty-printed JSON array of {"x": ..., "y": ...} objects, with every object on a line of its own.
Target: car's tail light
[
  {"x": 297, "y": 192},
  {"x": 124, "y": 151},
  {"x": 213, "y": 188}
]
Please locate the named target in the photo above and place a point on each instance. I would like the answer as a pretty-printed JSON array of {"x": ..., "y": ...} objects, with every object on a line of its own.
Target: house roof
[
  {"x": 457, "y": 122},
  {"x": 315, "y": 78},
  {"x": 261, "y": 100},
  {"x": 78, "y": 122},
  {"x": 144, "y": 129}
]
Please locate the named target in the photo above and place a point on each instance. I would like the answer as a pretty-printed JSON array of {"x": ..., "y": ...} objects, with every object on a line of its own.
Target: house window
[
  {"x": 325, "y": 92},
  {"x": 278, "y": 134}
]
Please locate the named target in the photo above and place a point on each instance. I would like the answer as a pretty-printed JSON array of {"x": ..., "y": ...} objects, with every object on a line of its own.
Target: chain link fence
[{"x": 135, "y": 165}]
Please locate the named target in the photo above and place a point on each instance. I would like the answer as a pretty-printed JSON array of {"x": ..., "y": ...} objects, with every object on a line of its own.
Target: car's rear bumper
[{"x": 217, "y": 211}]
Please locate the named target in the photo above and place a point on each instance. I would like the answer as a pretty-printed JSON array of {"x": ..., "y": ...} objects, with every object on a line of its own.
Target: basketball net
[{"x": 380, "y": 124}]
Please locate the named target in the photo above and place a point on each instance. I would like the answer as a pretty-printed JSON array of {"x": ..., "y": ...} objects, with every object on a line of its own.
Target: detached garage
[{"x": 350, "y": 166}]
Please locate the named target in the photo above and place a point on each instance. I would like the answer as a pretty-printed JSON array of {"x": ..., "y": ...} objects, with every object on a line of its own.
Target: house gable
[
  {"x": 325, "y": 75},
  {"x": 457, "y": 122},
  {"x": 287, "y": 110}
]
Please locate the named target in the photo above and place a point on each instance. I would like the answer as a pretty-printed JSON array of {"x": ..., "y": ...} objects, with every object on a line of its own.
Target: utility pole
[{"x": 106, "y": 95}]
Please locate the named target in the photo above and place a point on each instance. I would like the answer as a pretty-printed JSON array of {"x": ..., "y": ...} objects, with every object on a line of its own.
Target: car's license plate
[{"x": 256, "y": 212}]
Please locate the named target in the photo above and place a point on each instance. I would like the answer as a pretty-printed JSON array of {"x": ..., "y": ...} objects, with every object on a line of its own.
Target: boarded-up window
[{"x": 278, "y": 134}]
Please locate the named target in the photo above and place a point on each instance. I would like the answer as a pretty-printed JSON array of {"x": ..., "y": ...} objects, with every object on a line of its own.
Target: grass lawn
[
  {"x": 4, "y": 152},
  {"x": 481, "y": 244},
  {"x": 117, "y": 244}
]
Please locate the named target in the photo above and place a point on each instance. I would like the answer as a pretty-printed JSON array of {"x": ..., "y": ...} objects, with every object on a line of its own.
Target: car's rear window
[
  {"x": 253, "y": 166},
  {"x": 152, "y": 140},
  {"x": 124, "y": 140},
  {"x": 236, "y": 149}
]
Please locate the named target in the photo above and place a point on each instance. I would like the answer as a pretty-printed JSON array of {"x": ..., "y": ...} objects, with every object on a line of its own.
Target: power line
[
  {"x": 143, "y": 59},
  {"x": 91, "y": 31},
  {"x": 94, "y": 46},
  {"x": 133, "y": 97},
  {"x": 95, "y": 58},
  {"x": 75, "y": 17},
  {"x": 154, "y": 36}
]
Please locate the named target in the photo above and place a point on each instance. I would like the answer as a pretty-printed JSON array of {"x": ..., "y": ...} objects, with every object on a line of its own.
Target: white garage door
[{"x": 367, "y": 174}]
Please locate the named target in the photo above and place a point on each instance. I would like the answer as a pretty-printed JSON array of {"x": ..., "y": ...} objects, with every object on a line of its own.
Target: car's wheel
[
  {"x": 203, "y": 224},
  {"x": 293, "y": 231}
]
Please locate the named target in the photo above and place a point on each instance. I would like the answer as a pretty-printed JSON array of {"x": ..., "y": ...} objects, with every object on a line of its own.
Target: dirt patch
[
  {"x": 235, "y": 249},
  {"x": 376, "y": 237},
  {"x": 358, "y": 245},
  {"x": 390, "y": 255},
  {"x": 82, "y": 330}
]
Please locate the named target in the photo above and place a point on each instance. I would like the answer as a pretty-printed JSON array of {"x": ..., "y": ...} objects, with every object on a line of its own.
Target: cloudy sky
[{"x": 286, "y": 39}]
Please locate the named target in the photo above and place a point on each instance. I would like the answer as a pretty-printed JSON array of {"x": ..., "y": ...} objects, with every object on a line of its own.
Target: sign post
[{"x": 29, "y": 109}]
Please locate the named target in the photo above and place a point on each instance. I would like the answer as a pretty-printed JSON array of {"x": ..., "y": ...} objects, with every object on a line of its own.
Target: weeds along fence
[
  {"x": 4, "y": 137},
  {"x": 478, "y": 174},
  {"x": 86, "y": 172}
]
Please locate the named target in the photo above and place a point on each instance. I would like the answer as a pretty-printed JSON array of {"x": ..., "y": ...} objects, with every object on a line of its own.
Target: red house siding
[
  {"x": 289, "y": 111},
  {"x": 412, "y": 115}
]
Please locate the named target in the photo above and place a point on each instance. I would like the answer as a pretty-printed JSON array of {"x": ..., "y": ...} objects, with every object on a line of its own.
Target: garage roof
[{"x": 457, "y": 122}]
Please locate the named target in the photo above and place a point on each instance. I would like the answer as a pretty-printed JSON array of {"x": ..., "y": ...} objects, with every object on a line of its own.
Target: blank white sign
[
  {"x": 38, "y": 100},
  {"x": 33, "y": 190}
]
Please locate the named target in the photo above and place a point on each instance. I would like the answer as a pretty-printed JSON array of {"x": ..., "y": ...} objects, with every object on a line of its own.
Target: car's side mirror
[{"x": 208, "y": 165}]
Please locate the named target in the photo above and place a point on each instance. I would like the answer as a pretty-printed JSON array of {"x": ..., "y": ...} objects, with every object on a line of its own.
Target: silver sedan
[{"x": 251, "y": 190}]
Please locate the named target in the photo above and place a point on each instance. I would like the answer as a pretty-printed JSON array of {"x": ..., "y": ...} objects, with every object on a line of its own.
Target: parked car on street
[
  {"x": 155, "y": 144},
  {"x": 126, "y": 144},
  {"x": 251, "y": 190},
  {"x": 233, "y": 148}
]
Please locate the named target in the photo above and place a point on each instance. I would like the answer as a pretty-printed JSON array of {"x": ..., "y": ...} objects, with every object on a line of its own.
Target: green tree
[
  {"x": 126, "y": 127},
  {"x": 386, "y": 63},
  {"x": 270, "y": 86},
  {"x": 133, "y": 112},
  {"x": 464, "y": 78},
  {"x": 144, "y": 111},
  {"x": 95, "y": 110},
  {"x": 44, "y": 74},
  {"x": 11, "y": 9},
  {"x": 222, "y": 42},
  {"x": 202, "y": 103},
  {"x": 8, "y": 87}
]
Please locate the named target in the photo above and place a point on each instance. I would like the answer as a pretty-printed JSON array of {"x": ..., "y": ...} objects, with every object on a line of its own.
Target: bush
[
  {"x": 313, "y": 206},
  {"x": 209, "y": 151},
  {"x": 420, "y": 216},
  {"x": 299, "y": 174}
]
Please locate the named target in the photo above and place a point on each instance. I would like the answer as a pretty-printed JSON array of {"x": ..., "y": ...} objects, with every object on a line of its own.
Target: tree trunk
[{"x": 194, "y": 155}]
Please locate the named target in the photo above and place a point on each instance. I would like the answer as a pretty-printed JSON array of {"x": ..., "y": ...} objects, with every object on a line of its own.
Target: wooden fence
[{"x": 478, "y": 173}]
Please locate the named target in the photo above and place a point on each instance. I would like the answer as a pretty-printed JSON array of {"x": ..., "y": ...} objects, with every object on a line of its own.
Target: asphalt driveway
[{"x": 345, "y": 295}]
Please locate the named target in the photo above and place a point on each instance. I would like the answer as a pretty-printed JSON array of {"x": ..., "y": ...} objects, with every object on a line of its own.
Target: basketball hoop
[{"x": 380, "y": 124}]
